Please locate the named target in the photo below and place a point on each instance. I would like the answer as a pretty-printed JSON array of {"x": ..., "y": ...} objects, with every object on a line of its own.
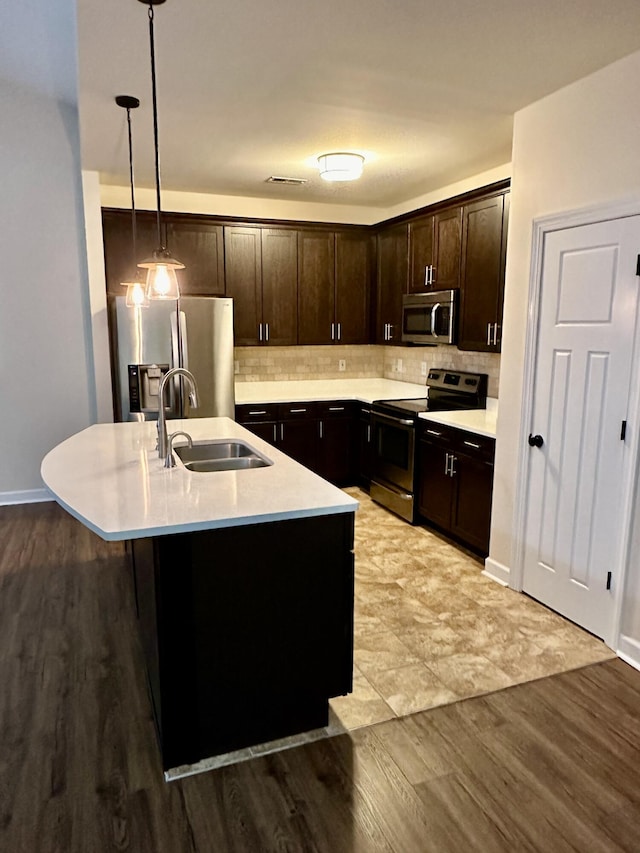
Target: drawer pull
[
  {"x": 296, "y": 411},
  {"x": 336, "y": 408},
  {"x": 257, "y": 413},
  {"x": 433, "y": 432},
  {"x": 471, "y": 444}
]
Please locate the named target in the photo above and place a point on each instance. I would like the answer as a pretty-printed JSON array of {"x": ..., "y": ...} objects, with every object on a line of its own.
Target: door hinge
[
  {"x": 623, "y": 430},
  {"x": 638, "y": 266},
  {"x": 608, "y": 580}
]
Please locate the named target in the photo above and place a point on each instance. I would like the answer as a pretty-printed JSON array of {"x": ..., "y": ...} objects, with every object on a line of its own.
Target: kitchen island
[{"x": 243, "y": 581}]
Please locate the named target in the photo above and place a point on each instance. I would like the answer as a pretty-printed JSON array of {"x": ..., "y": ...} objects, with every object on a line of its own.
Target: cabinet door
[
  {"x": 316, "y": 285},
  {"x": 338, "y": 433},
  {"x": 365, "y": 446},
  {"x": 471, "y": 508},
  {"x": 353, "y": 284},
  {"x": 118, "y": 246},
  {"x": 300, "y": 439},
  {"x": 448, "y": 241},
  {"x": 267, "y": 430},
  {"x": 393, "y": 253},
  {"x": 243, "y": 274},
  {"x": 420, "y": 253},
  {"x": 435, "y": 486},
  {"x": 279, "y": 286},
  {"x": 199, "y": 245},
  {"x": 482, "y": 274}
]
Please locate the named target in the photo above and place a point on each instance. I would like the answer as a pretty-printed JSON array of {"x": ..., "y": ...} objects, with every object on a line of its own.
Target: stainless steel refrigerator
[{"x": 196, "y": 333}]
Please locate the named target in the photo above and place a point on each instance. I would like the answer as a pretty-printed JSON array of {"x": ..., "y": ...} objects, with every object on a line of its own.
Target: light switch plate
[
  {"x": 342, "y": 364},
  {"x": 423, "y": 368}
]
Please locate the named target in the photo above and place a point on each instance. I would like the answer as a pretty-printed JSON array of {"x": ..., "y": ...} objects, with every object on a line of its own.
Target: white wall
[
  {"x": 576, "y": 148},
  {"x": 46, "y": 371}
]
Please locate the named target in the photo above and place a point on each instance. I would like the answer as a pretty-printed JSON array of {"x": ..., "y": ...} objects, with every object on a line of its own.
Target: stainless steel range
[{"x": 394, "y": 423}]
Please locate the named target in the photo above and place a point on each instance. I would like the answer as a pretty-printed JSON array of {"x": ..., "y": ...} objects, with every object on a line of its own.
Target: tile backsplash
[{"x": 260, "y": 364}]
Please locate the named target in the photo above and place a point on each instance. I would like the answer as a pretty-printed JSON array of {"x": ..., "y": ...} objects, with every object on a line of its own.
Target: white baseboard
[
  {"x": 496, "y": 571},
  {"x": 27, "y": 496},
  {"x": 629, "y": 651}
]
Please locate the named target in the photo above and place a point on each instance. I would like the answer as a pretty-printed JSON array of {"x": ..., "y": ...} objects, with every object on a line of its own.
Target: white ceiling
[{"x": 425, "y": 89}]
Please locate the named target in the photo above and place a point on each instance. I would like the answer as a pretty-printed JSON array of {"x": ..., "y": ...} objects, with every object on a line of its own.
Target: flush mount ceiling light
[
  {"x": 340, "y": 166},
  {"x": 136, "y": 294},
  {"x": 162, "y": 282}
]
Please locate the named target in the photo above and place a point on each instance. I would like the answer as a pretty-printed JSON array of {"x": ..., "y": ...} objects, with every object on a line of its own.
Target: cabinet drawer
[
  {"x": 293, "y": 411},
  {"x": 437, "y": 433},
  {"x": 257, "y": 412},
  {"x": 336, "y": 409},
  {"x": 472, "y": 444}
]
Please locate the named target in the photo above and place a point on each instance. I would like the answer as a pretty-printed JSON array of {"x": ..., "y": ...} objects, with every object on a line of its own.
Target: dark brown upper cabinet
[
  {"x": 434, "y": 251},
  {"x": 243, "y": 276},
  {"x": 199, "y": 245},
  {"x": 333, "y": 287},
  {"x": 279, "y": 287},
  {"x": 393, "y": 254},
  {"x": 353, "y": 287},
  {"x": 118, "y": 247},
  {"x": 484, "y": 239},
  {"x": 261, "y": 277}
]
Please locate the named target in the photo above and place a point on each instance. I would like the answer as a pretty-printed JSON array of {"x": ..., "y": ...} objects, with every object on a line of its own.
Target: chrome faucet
[{"x": 162, "y": 416}]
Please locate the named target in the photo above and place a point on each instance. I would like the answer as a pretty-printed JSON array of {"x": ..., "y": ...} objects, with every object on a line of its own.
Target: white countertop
[
  {"x": 109, "y": 477},
  {"x": 303, "y": 390},
  {"x": 479, "y": 421}
]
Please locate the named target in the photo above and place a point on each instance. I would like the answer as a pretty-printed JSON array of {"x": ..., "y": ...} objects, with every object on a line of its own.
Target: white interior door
[{"x": 587, "y": 323}]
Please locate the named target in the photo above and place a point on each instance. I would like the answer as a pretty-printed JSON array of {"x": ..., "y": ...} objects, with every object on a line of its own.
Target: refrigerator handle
[
  {"x": 175, "y": 346},
  {"x": 184, "y": 341}
]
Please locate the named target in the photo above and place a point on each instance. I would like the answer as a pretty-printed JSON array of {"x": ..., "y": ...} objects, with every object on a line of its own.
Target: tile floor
[{"x": 431, "y": 629}]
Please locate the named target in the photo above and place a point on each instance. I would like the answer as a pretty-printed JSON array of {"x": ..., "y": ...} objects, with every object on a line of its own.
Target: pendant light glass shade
[
  {"x": 136, "y": 294},
  {"x": 340, "y": 166},
  {"x": 162, "y": 281}
]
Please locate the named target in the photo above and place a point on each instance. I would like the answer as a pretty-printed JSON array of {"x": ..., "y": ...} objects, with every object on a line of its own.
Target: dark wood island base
[{"x": 247, "y": 631}]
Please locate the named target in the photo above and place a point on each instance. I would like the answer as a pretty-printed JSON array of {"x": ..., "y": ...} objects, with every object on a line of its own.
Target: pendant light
[
  {"x": 136, "y": 293},
  {"x": 162, "y": 282}
]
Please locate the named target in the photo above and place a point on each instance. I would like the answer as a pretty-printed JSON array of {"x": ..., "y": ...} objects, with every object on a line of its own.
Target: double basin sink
[{"x": 223, "y": 455}]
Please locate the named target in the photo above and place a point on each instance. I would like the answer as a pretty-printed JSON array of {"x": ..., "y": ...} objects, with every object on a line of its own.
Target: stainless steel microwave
[{"x": 430, "y": 318}]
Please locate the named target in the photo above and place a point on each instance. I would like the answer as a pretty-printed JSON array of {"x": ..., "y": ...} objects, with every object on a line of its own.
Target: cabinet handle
[
  {"x": 260, "y": 332},
  {"x": 390, "y": 331},
  {"x": 336, "y": 408},
  {"x": 368, "y": 433},
  {"x": 281, "y": 432},
  {"x": 386, "y": 327},
  {"x": 452, "y": 470},
  {"x": 266, "y": 334},
  {"x": 427, "y": 282},
  {"x": 433, "y": 432},
  {"x": 321, "y": 430},
  {"x": 471, "y": 444},
  {"x": 333, "y": 337},
  {"x": 275, "y": 434},
  {"x": 339, "y": 331},
  {"x": 296, "y": 411},
  {"x": 258, "y": 413},
  {"x": 433, "y": 275},
  {"x": 446, "y": 464},
  {"x": 495, "y": 334}
]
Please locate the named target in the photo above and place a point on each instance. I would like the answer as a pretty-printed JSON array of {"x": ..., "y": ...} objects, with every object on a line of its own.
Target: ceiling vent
[{"x": 294, "y": 182}]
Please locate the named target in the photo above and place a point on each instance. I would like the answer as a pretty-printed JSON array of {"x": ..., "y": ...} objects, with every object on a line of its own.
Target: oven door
[{"x": 394, "y": 441}]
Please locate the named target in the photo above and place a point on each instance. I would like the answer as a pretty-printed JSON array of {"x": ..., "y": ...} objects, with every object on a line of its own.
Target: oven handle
[
  {"x": 402, "y": 421},
  {"x": 433, "y": 319}
]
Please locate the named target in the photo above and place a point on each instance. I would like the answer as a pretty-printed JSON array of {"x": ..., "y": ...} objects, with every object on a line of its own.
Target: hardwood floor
[{"x": 551, "y": 765}]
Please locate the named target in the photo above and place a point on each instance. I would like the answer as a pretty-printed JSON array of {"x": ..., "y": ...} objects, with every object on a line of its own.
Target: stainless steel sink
[{"x": 220, "y": 456}]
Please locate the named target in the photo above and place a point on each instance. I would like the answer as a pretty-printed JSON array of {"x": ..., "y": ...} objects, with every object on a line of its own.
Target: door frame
[{"x": 541, "y": 227}]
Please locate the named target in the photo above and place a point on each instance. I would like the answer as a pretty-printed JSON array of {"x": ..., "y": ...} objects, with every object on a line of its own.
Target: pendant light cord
[
  {"x": 134, "y": 234},
  {"x": 155, "y": 123}
]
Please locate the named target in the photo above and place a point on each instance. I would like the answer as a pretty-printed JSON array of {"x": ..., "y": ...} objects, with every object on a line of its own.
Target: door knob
[{"x": 535, "y": 440}]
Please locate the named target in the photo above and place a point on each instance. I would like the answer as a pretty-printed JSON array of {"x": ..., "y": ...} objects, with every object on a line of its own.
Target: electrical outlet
[
  {"x": 399, "y": 365},
  {"x": 342, "y": 364},
  {"x": 423, "y": 368},
  {"x": 236, "y": 367}
]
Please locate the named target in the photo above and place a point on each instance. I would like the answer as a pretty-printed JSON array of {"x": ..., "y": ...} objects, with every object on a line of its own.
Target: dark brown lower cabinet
[
  {"x": 321, "y": 436},
  {"x": 455, "y": 483},
  {"x": 247, "y": 631}
]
